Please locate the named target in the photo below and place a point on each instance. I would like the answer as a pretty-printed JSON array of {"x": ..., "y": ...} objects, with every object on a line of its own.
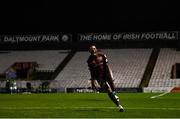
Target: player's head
[{"x": 92, "y": 49}]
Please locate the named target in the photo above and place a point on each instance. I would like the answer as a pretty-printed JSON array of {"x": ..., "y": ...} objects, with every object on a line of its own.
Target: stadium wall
[
  {"x": 129, "y": 39},
  {"x": 81, "y": 41},
  {"x": 35, "y": 42}
]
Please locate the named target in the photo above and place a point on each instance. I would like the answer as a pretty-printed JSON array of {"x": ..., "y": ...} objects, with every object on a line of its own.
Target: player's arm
[
  {"x": 92, "y": 73},
  {"x": 109, "y": 72},
  {"x": 93, "y": 84},
  {"x": 108, "y": 68},
  {"x": 93, "y": 80}
]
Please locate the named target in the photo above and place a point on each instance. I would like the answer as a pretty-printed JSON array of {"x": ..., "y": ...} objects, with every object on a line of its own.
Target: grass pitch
[{"x": 89, "y": 105}]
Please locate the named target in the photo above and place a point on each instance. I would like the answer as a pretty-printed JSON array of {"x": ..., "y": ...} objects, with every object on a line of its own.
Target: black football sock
[{"x": 114, "y": 98}]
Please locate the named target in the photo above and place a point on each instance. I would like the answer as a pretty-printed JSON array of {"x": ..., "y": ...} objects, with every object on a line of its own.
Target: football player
[{"x": 102, "y": 73}]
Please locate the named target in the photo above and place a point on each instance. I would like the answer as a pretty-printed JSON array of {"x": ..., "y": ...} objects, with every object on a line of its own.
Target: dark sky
[{"x": 88, "y": 15}]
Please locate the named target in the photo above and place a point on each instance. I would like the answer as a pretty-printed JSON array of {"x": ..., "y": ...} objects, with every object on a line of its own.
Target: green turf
[{"x": 88, "y": 105}]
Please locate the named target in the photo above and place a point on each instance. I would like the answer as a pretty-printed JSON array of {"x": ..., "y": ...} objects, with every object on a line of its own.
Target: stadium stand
[
  {"x": 47, "y": 60},
  {"x": 128, "y": 67},
  {"x": 161, "y": 76},
  {"x": 6, "y": 61},
  {"x": 75, "y": 72},
  {"x": 149, "y": 60}
]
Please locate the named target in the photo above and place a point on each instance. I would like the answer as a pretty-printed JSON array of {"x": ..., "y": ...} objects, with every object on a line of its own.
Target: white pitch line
[
  {"x": 129, "y": 108},
  {"x": 155, "y": 96}
]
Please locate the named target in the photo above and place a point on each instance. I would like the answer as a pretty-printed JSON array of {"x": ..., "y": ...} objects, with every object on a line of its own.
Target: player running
[{"x": 101, "y": 72}]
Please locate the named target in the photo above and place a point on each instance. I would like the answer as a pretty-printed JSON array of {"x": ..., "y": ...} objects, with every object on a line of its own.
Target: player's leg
[
  {"x": 111, "y": 84},
  {"x": 112, "y": 95}
]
